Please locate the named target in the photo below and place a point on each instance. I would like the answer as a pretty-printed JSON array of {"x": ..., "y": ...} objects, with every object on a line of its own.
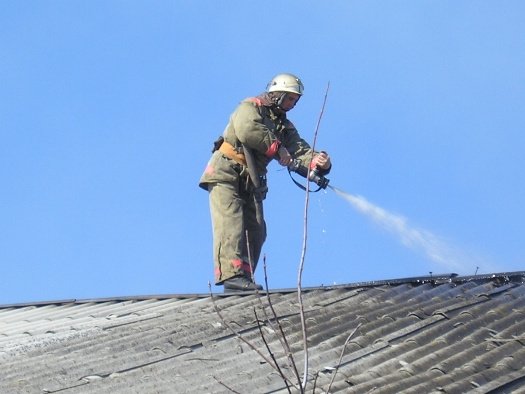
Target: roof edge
[{"x": 517, "y": 277}]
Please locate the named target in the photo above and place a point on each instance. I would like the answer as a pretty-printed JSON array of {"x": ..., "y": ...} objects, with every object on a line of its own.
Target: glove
[{"x": 322, "y": 161}]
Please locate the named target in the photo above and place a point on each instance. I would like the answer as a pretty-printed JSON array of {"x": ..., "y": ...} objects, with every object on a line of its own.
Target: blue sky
[{"x": 108, "y": 111}]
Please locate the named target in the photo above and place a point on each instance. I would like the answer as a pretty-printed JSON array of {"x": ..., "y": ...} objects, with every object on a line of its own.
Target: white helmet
[{"x": 285, "y": 83}]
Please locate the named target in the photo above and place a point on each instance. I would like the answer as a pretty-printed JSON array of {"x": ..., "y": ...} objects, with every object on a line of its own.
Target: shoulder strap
[{"x": 300, "y": 185}]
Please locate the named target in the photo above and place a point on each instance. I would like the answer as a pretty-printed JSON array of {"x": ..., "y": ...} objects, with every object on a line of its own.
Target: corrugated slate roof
[{"x": 440, "y": 334}]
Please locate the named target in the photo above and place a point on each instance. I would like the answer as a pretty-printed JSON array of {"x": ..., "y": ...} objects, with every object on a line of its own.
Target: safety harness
[{"x": 260, "y": 190}]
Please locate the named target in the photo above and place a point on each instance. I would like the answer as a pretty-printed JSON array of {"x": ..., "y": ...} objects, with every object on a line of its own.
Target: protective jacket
[{"x": 258, "y": 125}]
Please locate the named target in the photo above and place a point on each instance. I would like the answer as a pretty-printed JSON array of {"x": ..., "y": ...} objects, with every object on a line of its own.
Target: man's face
[{"x": 289, "y": 101}]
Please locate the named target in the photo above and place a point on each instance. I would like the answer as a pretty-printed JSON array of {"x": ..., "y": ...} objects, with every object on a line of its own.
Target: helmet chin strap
[{"x": 279, "y": 101}]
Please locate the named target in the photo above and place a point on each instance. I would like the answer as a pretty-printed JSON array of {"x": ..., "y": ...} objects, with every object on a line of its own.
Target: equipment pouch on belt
[{"x": 217, "y": 143}]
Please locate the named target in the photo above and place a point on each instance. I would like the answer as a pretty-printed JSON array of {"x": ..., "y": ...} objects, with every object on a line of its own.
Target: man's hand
[
  {"x": 322, "y": 160},
  {"x": 284, "y": 156}
]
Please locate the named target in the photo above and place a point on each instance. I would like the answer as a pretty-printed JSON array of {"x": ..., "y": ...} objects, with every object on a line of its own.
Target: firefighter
[{"x": 260, "y": 126}]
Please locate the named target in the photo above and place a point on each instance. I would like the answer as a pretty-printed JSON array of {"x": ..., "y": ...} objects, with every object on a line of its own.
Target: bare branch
[
  {"x": 341, "y": 357},
  {"x": 270, "y": 351},
  {"x": 282, "y": 336},
  {"x": 303, "y": 253},
  {"x": 227, "y": 325},
  {"x": 239, "y": 336},
  {"x": 225, "y": 385}
]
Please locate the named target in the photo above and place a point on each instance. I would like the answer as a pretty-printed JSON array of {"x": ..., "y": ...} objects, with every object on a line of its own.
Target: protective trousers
[{"x": 233, "y": 216}]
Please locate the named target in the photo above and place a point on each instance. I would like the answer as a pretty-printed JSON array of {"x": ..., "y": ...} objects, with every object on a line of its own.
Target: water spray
[{"x": 433, "y": 247}]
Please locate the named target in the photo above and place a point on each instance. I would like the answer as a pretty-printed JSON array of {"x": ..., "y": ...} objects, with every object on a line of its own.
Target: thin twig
[
  {"x": 341, "y": 357},
  {"x": 239, "y": 336},
  {"x": 282, "y": 335},
  {"x": 284, "y": 344},
  {"x": 303, "y": 253},
  {"x": 225, "y": 385},
  {"x": 315, "y": 382},
  {"x": 270, "y": 351},
  {"x": 217, "y": 310}
]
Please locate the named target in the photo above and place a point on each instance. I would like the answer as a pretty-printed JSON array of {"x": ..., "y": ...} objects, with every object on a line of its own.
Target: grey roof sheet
[{"x": 441, "y": 334}]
